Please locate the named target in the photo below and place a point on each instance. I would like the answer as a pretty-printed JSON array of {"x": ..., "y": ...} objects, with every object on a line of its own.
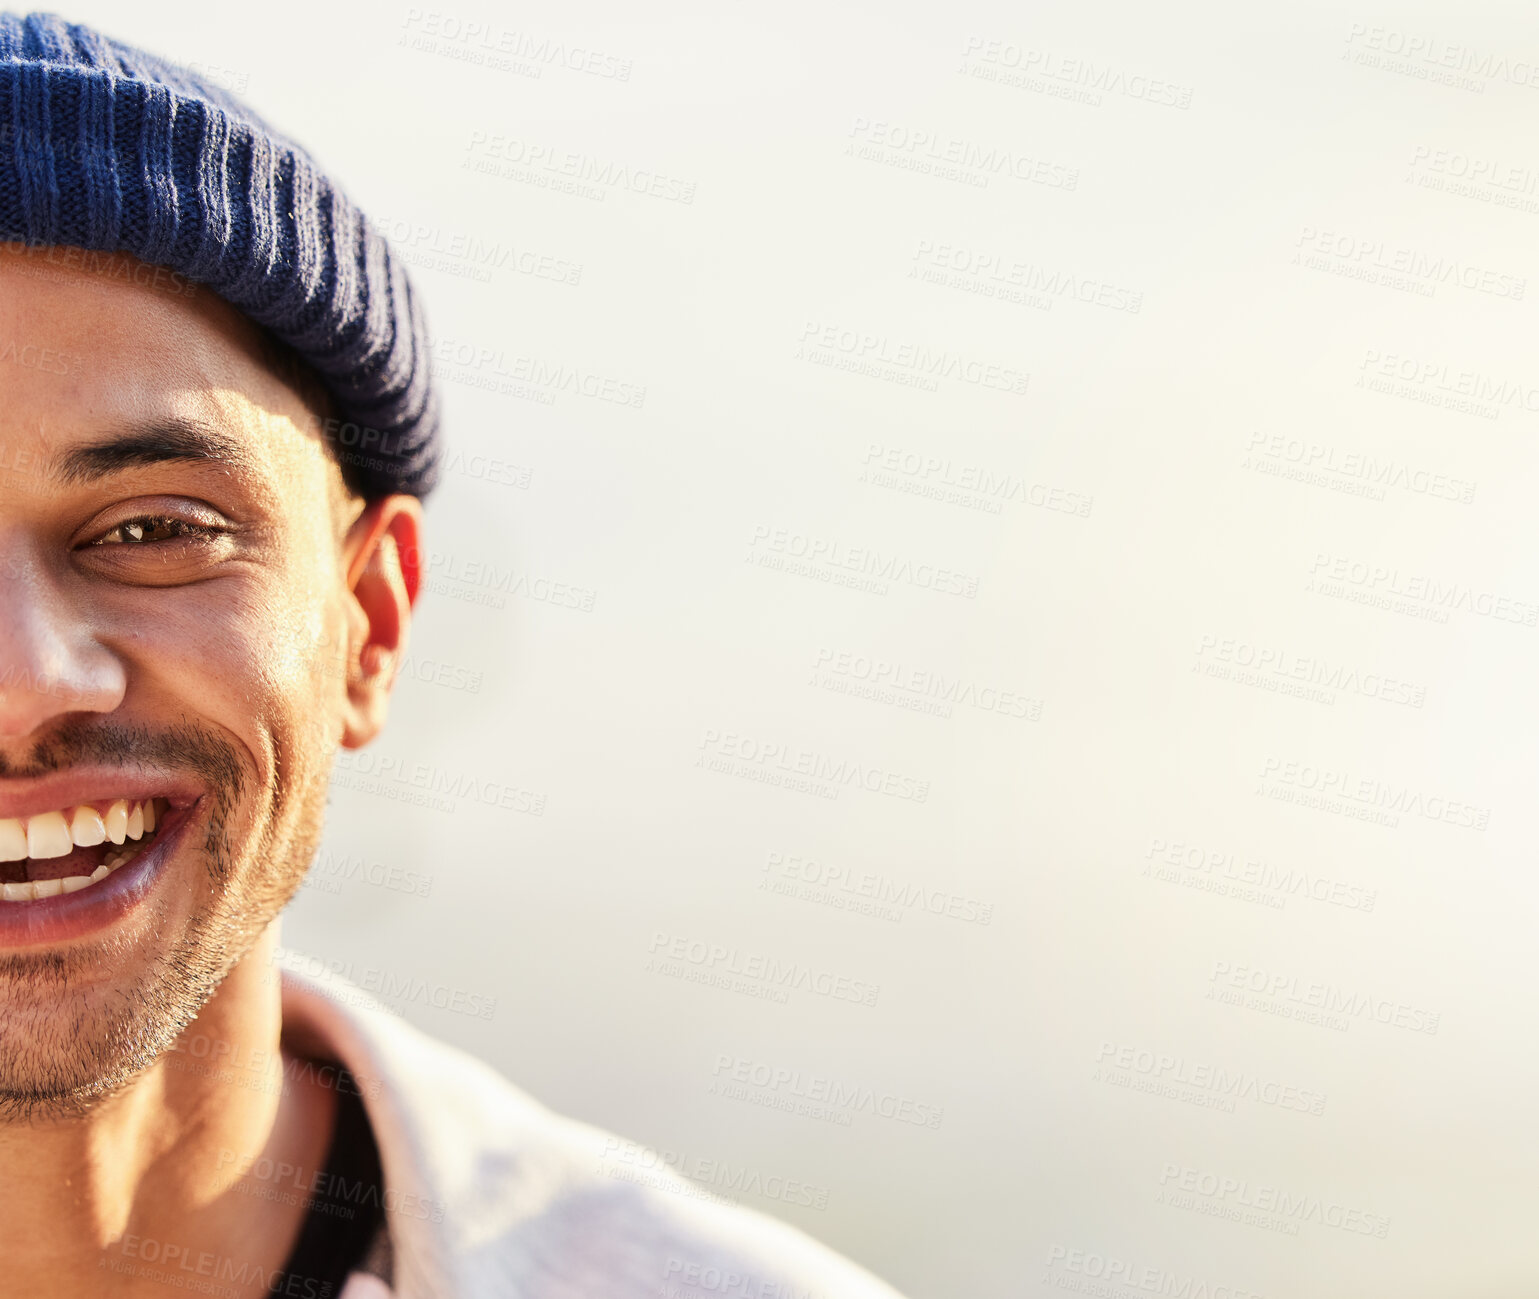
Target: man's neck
[{"x": 149, "y": 1185}]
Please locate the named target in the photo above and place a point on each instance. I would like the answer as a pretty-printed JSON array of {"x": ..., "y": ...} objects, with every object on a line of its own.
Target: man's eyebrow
[{"x": 162, "y": 442}]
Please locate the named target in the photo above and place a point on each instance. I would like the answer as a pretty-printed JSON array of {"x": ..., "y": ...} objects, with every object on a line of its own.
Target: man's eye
[{"x": 152, "y": 528}]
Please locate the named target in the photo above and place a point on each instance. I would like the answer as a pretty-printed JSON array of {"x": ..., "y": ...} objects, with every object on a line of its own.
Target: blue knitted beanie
[{"x": 106, "y": 148}]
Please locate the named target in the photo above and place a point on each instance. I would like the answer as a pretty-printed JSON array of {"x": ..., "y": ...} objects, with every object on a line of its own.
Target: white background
[{"x": 1328, "y": 236}]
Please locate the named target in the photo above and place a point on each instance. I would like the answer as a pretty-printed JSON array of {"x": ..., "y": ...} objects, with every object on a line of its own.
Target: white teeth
[
  {"x": 54, "y": 834},
  {"x": 116, "y": 821},
  {"x": 48, "y": 835},
  {"x": 86, "y": 828},
  {"x": 82, "y": 827}
]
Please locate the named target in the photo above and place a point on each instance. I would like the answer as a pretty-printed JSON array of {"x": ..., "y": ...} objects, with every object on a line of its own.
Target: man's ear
[{"x": 382, "y": 553}]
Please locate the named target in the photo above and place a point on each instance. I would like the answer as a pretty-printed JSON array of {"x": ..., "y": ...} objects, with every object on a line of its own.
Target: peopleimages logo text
[
  {"x": 1378, "y": 793},
  {"x": 791, "y": 975},
  {"x": 839, "y": 772},
  {"x": 1330, "y": 998},
  {"x": 878, "y": 348},
  {"x": 992, "y": 160},
  {"x": 1244, "y": 1193},
  {"x": 1392, "y": 581},
  {"x": 826, "y": 1090}
]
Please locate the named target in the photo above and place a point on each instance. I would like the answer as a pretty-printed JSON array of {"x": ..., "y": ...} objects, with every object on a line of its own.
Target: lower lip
[{"x": 74, "y": 915}]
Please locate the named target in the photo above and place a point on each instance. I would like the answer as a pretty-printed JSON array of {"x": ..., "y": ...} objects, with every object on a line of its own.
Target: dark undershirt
[{"x": 346, "y": 1207}]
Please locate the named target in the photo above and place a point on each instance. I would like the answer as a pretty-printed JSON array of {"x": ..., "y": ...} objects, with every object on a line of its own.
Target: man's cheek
[{"x": 306, "y": 655}]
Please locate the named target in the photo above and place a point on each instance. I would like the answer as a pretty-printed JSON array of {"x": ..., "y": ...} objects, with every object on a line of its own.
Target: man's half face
[{"x": 177, "y": 637}]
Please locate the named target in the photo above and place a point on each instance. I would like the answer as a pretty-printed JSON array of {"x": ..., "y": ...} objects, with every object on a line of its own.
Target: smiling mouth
[{"x": 74, "y": 848}]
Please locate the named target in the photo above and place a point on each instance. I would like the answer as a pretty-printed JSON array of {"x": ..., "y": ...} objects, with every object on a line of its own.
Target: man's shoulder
[{"x": 489, "y": 1189}]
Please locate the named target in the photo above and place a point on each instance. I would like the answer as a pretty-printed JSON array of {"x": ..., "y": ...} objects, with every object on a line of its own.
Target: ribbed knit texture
[{"x": 107, "y": 148}]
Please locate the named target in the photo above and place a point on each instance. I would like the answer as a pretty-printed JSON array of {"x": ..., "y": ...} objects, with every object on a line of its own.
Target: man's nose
[{"x": 51, "y": 663}]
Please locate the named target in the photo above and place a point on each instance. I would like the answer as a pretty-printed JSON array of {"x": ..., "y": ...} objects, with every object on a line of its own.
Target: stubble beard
[{"x": 62, "y": 1056}]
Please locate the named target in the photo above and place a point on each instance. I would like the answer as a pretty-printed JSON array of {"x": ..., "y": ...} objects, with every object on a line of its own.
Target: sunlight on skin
[{"x": 233, "y": 650}]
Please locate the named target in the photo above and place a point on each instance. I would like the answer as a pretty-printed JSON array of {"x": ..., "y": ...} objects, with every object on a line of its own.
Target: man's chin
[
  {"x": 62, "y": 1098},
  {"x": 78, "y": 1026}
]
